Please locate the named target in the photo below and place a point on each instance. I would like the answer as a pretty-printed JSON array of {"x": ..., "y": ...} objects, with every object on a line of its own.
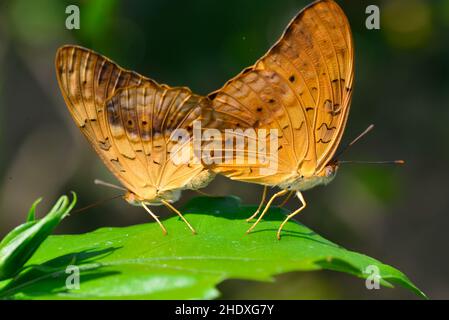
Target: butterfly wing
[
  {"x": 302, "y": 87},
  {"x": 126, "y": 118},
  {"x": 142, "y": 122}
]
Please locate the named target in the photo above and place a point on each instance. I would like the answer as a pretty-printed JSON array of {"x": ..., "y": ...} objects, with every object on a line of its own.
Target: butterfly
[
  {"x": 301, "y": 89},
  {"x": 129, "y": 121}
]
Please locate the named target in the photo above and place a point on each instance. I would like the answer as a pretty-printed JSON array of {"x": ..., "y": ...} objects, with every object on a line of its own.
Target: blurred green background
[{"x": 396, "y": 214}]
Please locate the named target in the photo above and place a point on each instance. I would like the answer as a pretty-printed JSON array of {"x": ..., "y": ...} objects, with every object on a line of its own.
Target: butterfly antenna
[
  {"x": 354, "y": 141},
  {"x": 400, "y": 162},
  {"x": 107, "y": 184},
  {"x": 95, "y": 204}
]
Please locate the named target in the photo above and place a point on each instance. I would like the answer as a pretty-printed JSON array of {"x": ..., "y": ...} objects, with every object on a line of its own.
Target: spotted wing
[{"x": 302, "y": 88}]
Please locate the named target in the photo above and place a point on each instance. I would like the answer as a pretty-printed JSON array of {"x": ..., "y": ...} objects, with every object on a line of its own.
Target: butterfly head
[
  {"x": 154, "y": 200},
  {"x": 328, "y": 173}
]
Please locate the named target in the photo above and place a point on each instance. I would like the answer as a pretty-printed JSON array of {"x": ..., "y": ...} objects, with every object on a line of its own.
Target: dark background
[{"x": 396, "y": 214}]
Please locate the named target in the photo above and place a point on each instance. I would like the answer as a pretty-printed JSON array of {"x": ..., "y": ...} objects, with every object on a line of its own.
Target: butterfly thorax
[{"x": 299, "y": 182}]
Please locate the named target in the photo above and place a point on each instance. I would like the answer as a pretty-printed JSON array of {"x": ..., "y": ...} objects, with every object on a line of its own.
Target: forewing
[
  {"x": 302, "y": 87},
  {"x": 128, "y": 118}
]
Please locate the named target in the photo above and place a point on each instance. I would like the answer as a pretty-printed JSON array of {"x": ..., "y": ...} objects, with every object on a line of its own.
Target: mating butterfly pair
[{"x": 301, "y": 88}]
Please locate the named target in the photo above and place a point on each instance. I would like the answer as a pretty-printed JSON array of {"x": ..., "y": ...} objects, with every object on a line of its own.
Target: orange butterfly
[
  {"x": 301, "y": 89},
  {"x": 129, "y": 119}
]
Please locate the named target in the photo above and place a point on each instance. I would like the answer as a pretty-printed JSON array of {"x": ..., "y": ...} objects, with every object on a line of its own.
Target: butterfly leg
[
  {"x": 168, "y": 205},
  {"x": 264, "y": 196},
  {"x": 291, "y": 215},
  {"x": 278, "y": 194},
  {"x": 155, "y": 218},
  {"x": 286, "y": 199}
]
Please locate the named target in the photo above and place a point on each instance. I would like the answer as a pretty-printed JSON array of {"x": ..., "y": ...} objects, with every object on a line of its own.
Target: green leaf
[
  {"x": 32, "y": 213},
  {"x": 20, "y": 244},
  {"x": 139, "y": 262}
]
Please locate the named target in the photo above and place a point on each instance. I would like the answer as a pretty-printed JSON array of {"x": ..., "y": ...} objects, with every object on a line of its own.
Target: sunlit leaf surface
[{"x": 138, "y": 262}]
